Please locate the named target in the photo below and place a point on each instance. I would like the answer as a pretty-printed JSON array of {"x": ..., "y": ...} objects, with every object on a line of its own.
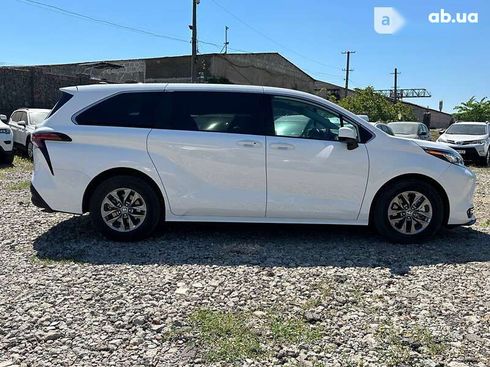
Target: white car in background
[
  {"x": 6, "y": 142},
  {"x": 470, "y": 139},
  {"x": 133, "y": 155},
  {"x": 23, "y": 123}
]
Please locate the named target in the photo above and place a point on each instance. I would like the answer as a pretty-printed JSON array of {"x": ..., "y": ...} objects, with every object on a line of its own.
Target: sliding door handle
[
  {"x": 249, "y": 143},
  {"x": 282, "y": 146}
]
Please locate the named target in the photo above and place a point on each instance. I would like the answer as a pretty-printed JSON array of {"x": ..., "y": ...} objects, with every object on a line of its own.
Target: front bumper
[
  {"x": 459, "y": 183},
  {"x": 469, "y": 152},
  {"x": 6, "y": 146}
]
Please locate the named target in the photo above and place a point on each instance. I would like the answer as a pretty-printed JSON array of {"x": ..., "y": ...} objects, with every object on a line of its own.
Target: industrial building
[{"x": 36, "y": 86}]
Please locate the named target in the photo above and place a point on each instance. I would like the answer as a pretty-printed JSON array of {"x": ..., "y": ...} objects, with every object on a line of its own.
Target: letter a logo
[{"x": 387, "y": 20}]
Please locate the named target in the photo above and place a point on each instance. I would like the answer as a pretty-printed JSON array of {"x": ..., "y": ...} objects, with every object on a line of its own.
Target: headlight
[
  {"x": 476, "y": 142},
  {"x": 447, "y": 155},
  {"x": 4, "y": 131}
]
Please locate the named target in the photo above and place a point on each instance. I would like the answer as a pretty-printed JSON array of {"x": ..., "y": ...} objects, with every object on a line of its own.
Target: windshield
[
  {"x": 466, "y": 129},
  {"x": 404, "y": 128},
  {"x": 38, "y": 116}
]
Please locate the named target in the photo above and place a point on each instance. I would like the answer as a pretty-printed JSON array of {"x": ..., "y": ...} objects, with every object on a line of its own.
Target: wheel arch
[
  {"x": 419, "y": 177},
  {"x": 121, "y": 171}
]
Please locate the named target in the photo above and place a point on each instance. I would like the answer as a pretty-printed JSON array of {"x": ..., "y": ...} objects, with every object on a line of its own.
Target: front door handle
[
  {"x": 282, "y": 146},
  {"x": 249, "y": 143}
]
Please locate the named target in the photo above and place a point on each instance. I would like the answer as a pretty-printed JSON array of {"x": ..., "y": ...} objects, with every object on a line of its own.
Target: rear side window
[
  {"x": 65, "y": 97},
  {"x": 142, "y": 109},
  {"x": 236, "y": 113},
  {"x": 15, "y": 117}
]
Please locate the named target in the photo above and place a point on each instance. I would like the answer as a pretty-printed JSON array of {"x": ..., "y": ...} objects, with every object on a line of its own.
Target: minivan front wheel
[
  {"x": 409, "y": 211},
  {"x": 125, "y": 208}
]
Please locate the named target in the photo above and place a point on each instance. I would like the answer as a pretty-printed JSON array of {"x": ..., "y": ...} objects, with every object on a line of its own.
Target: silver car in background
[{"x": 411, "y": 130}]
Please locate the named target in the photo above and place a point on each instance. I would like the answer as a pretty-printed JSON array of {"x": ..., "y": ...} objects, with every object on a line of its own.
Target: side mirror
[
  {"x": 3, "y": 118},
  {"x": 441, "y": 131},
  {"x": 349, "y": 136},
  {"x": 22, "y": 123}
]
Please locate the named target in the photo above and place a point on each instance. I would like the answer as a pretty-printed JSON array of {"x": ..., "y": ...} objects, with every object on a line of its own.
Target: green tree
[
  {"x": 379, "y": 108},
  {"x": 473, "y": 110}
]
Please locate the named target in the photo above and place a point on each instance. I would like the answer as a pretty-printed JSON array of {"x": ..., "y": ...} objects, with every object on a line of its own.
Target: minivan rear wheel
[
  {"x": 409, "y": 211},
  {"x": 125, "y": 208}
]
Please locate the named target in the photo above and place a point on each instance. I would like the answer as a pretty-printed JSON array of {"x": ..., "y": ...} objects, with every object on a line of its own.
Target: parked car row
[
  {"x": 470, "y": 139},
  {"x": 17, "y": 131}
]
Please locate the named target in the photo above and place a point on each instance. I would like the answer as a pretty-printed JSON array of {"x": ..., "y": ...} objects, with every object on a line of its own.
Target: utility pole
[
  {"x": 194, "y": 40},
  {"x": 395, "y": 85},
  {"x": 226, "y": 39},
  {"x": 347, "y": 71}
]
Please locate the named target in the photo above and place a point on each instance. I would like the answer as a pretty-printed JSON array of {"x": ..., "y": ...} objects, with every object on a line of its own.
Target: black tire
[
  {"x": 7, "y": 158},
  {"x": 485, "y": 161},
  {"x": 380, "y": 212},
  {"x": 29, "y": 148},
  {"x": 150, "y": 198}
]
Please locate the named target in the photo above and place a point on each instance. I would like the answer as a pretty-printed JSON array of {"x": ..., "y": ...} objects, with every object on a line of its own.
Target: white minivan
[{"x": 134, "y": 155}]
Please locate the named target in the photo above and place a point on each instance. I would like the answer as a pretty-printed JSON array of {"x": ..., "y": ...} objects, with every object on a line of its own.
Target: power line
[
  {"x": 269, "y": 38},
  {"x": 85, "y": 17},
  {"x": 63, "y": 11}
]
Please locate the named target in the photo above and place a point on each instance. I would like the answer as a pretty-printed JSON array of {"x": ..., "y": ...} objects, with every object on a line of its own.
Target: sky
[{"x": 451, "y": 60}]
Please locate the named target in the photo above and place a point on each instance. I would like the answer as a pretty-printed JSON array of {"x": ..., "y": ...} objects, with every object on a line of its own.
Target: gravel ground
[{"x": 257, "y": 295}]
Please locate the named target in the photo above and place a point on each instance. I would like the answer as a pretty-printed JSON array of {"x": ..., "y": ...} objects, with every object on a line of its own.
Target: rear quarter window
[
  {"x": 139, "y": 110},
  {"x": 65, "y": 97}
]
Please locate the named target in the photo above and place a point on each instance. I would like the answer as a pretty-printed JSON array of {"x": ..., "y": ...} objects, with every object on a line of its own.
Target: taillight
[{"x": 39, "y": 139}]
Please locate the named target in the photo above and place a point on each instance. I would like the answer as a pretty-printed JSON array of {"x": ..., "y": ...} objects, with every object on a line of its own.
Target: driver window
[{"x": 297, "y": 119}]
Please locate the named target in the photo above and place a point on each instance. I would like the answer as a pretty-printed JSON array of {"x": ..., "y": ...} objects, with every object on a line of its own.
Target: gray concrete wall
[
  {"x": 438, "y": 120},
  {"x": 32, "y": 88}
]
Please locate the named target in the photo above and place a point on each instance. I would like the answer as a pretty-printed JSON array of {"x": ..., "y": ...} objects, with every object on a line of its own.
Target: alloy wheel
[
  {"x": 123, "y": 210},
  {"x": 410, "y": 212}
]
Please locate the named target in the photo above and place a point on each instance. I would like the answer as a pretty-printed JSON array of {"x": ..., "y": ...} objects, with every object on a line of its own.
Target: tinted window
[
  {"x": 141, "y": 109},
  {"x": 65, "y": 97},
  {"x": 297, "y": 119},
  {"x": 237, "y": 113},
  {"x": 423, "y": 129}
]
